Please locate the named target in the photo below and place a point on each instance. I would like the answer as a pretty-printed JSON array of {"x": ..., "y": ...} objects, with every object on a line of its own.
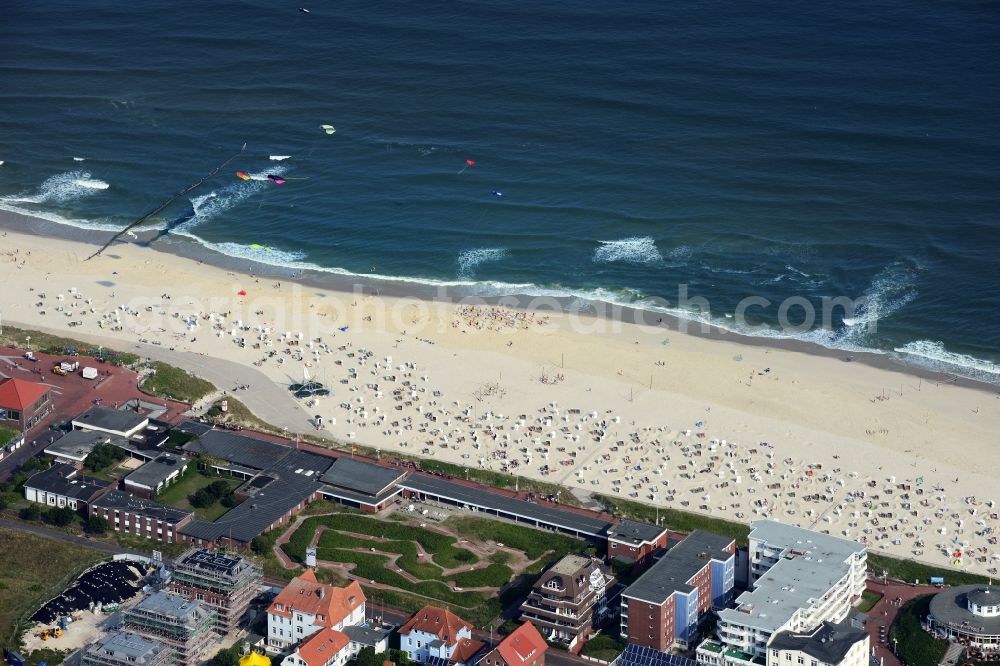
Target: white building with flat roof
[{"x": 799, "y": 579}]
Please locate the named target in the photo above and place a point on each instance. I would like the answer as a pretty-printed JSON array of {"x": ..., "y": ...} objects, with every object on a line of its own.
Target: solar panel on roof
[{"x": 638, "y": 655}]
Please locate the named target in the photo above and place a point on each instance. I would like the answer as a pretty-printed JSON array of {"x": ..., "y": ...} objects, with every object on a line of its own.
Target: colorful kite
[
  {"x": 468, "y": 163},
  {"x": 329, "y": 129},
  {"x": 277, "y": 180},
  {"x": 243, "y": 174}
]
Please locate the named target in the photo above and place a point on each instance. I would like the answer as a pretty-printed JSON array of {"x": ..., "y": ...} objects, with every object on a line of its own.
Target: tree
[
  {"x": 60, "y": 517},
  {"x": 102, "y": 456},
  {"x": 31, "y": 512},
  {"x": 230, "y": 501},
  {"x": 219, "y": 489},
  {"x": 202, "y": 499},
  {"x": 227, "y": 657},
  {"x": 367, "y": 657},
  {"x": 97, "y": 525}
]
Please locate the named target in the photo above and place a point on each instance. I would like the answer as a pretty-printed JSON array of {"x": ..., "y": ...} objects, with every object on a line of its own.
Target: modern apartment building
[
  {"x": 799, "y": 580},
  {"x": 663, "y": 607}
]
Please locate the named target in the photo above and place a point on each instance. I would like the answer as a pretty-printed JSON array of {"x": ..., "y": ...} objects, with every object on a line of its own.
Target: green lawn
[
  {"x": 479, "y": 607},
  {"x": 6, "y": 434},
  {"x": 497, "y": 479},
  {"x": 909, "y": 571},
  {"x": 176, "y": 384},
  {"x": 868, "y": 601},
  {"x": 192, "y": 481},
  {"x": 603, "y": 646},
  {"x": 916, "y": 647},
  {"x": 400, "y": 539},
  {"x": 682, "y": 521},
  {"x": 534, "y": 543},
  {"x": 32, "y": 570},
  {"x": 441, "y": 547},
  {"x": 58, "y": 345}
]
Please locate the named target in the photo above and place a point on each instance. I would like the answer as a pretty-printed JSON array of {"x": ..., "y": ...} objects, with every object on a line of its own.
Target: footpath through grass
[
  {"x": 478, "y": 607},
  {"x": 335, "y": 546},
  {"x": 34, "y": 569},
  {"x": 533, "y": 543}
]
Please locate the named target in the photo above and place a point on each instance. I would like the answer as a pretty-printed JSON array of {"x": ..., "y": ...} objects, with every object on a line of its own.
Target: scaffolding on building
[
  {"x": 215, "y": 574},
  {"x": 125, "y": 649},
  {"x": 185, "y": 627}
]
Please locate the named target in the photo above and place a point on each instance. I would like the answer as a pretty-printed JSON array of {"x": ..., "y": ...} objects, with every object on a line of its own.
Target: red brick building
[
  {"x": 664, "y": 606},
  {"x": 23, "y": 404},
  {"x": 633, "y": 541}
]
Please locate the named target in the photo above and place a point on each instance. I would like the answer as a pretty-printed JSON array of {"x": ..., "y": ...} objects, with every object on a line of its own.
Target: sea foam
[
  {"x": 62, "y": 188},
  {"x": 933, "y": 355},
  {"x": 470, "y": 260},
  {"x": 633, "y": 250}
]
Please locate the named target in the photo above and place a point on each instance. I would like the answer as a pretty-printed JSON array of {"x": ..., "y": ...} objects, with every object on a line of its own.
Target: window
[
  {"x": 418, "y": 645},
  {"x": 801, "y": 659}
]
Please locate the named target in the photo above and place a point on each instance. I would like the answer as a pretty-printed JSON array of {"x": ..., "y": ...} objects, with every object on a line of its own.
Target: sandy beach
[{"x": 905, "y": 463}]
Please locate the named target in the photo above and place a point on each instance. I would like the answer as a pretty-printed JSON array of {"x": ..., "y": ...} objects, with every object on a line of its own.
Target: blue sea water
[{"x": 775, "y": 149}]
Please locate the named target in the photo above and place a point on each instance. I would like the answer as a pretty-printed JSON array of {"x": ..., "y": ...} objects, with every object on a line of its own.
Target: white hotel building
[{"x": 798, "y": 580}]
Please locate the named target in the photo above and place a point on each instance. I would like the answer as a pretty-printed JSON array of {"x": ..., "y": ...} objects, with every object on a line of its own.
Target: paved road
[
  {"x": 268, "y": 400},
  {"x": 894, "y": 595},
  {"x": 58, "y": 535}
]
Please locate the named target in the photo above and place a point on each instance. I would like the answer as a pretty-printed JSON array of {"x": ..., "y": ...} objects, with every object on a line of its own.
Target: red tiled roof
[
  {"x": 440, "y": 622},
  {"x": 305, "y": 594},
  {"x": 465, "y": 649},
  {"x": 522, "y": 646},
  {"x": 322, "y": 647},
  {"x": 19, "y": 394}
]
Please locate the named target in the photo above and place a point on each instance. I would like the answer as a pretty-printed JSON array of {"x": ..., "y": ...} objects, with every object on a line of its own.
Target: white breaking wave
[
  {"x": 92, "y": 183},
  {"x": 628, "y": 250},
  {"x": 470, "y": 260},
  {"x": 933, "y": 355},
  {"x": 890, "y": 290},
  {"x": 278, "y": 158},
  {"x": 79, "y": 159},
  {"x": 62, "y": 188},
  {"x": 208, "y": 206},
  {"x": 261, "y": 255}
]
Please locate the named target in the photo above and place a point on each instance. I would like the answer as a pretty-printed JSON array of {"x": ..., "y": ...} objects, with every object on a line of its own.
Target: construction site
[
  {"x": 125, "y": 649},
  {"x": 222, "y": 582},
  {"x": 185, "y": 628}
]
